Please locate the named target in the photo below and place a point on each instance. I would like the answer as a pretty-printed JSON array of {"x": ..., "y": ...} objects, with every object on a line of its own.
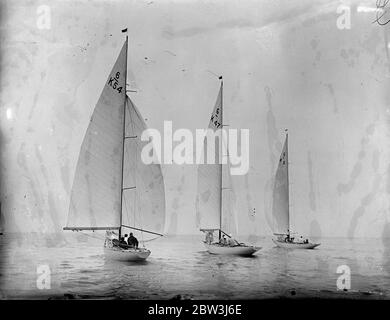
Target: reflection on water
[{"x": 181, "y": 266}]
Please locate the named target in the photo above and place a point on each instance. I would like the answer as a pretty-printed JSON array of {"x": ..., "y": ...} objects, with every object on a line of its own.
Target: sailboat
[
  {"x": 211, "y": 189},
  {"x": 281, "y": 207},
  {"x": 113, "y": 190}
]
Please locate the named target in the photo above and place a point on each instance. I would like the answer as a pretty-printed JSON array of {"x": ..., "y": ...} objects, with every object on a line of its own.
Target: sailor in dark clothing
[
  {"x": 119, "y": 243},
  {"x": 122, "y": 241},
  {"x": 132, "y": 241},
  {"x": 287, "y": 239}
]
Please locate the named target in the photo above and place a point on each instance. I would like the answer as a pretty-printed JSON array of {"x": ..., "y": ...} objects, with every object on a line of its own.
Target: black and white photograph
[{"x": 195, "y": 150}]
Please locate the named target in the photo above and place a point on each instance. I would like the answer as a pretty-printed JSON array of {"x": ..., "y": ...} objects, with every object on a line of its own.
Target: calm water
[{"x": 180, "y": 266}]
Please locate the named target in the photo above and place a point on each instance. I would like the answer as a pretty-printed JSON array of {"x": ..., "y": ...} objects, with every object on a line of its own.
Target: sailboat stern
[
  {"x": 295, "y": 245},
  {"x": 125, "y": 255},
  {"x": 241, "y": 250}
]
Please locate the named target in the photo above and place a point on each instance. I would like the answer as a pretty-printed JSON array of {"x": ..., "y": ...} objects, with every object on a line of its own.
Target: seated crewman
[
  {"x": 232, "y": 242},
  {"x": 209, "y": 237},
  {"x": 132, "y": 241}
]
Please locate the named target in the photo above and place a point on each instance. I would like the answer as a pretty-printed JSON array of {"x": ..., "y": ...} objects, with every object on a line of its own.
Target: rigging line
[
  {"x": 229, "y": 212},
  {"x": 220, "y": 157},
  {"x": 232, "y": 213},
  {"x": 139, "y": 144},
  {"x": 149, "y": 240},
  {"x": 129, "y": 169},
  {"x": 136, "y": 202},
  {"x": 127, "y": 173},
  {"x": 151, "y": 232},
  {"x": 140, "y": 215},
  {"x": 127, "y": 211},
  {"x": 231, "y": 193},
  {"x": 134, "y": 169}
]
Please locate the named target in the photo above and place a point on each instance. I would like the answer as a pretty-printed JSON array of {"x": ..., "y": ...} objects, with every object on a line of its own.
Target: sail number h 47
[{"x": 221, "y": 147}]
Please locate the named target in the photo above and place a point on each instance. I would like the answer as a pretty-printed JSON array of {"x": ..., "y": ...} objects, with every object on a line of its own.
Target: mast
[
  {"x": 1, "y": 227},
  {"x": 288, "y": 185},
  {"x": 123, "y": 140},
  {"x": 220, "y": 159}
]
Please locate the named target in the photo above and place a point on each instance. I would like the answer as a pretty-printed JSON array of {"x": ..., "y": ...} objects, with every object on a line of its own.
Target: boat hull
[
  {"x": 242, "y": 250},
  {"x": 289, "y": 245},
  {"x": 125, "y": 255}
]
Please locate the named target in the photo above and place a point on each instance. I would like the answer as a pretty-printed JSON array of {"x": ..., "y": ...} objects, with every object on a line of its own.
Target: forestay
[{"x": 143, "y": 184}]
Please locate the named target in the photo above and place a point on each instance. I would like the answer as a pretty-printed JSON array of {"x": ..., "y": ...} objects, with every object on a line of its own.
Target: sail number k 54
[{"x": 113, "y": 82}]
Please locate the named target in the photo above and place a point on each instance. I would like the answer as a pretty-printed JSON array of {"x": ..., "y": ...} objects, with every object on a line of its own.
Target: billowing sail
[
  {"x": 143, "y": 184},
  {"x": 280, "y": 207},
  {"x": 209, "y": 198},
  {"x": 96, "y": 192},
  {"x": 229, "y": 210}
]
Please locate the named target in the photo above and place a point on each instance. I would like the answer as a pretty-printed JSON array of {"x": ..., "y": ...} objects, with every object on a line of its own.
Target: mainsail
[
  {"x": 95, "y": 200},
  {"x": 280, "y": 206},
  {"x": 143, "y": 184},
  {"x": 113, "y": 188},
  {"x": 209, "y": 196},
  {"x": 215, "y": 197},
  {"x": 229, "y": 211}
]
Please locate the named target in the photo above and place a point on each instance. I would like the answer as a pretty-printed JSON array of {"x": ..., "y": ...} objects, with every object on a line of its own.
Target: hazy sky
[{"x": 285, "y": 65}]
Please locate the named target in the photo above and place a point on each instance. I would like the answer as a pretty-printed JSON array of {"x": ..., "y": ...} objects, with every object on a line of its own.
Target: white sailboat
[
  {"x": 211, "y": 189},
  {"x": 281, "y": 207},
  {"x": 113, "y": 189}
]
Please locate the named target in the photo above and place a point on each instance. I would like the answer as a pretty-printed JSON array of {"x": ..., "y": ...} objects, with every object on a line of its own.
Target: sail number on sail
[
  {"x": 215, "y": 118},
  {"x": 113, "y": 82}
]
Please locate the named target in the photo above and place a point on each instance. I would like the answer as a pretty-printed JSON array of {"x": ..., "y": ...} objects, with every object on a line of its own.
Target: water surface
[{"x": 179, "y": 265}]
